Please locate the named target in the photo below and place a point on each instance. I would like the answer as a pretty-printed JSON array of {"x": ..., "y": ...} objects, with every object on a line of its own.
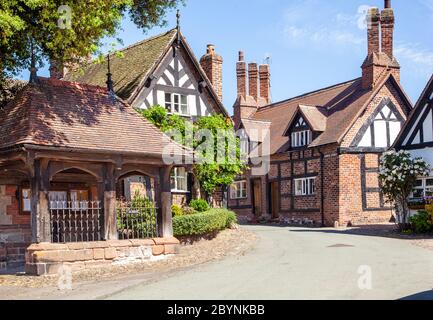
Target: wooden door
[
  {"x": 275, "y": 200},
  {"x": 257, "y": 187}
]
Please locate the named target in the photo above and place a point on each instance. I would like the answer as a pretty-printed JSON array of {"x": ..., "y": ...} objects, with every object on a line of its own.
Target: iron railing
[
  {"x": 75, "y": 221},
  {"x": 136, "y": 221}
]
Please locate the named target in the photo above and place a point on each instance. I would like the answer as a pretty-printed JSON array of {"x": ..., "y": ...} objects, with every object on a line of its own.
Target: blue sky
[{"x": 311, "y": 43}]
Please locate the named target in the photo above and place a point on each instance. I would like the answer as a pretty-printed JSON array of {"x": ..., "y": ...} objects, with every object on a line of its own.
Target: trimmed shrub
[
  {"x": 177, "y": 210},
  {"x": 203, "y": 223},
  {"x": 188, "y": 210},
  {"x": 199, "y": 205},
  {"x": 421, "y": 222}
]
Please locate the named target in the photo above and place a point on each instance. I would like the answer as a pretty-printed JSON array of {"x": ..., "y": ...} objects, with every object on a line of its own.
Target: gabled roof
[
  {"x": 60, "y": 114},
  {"x": 313, "y": 115},
  {"x": 425, "y": 95},
  {"x": 341, "y": 104},
  {"x": 131, "y": 68},
  {"x": 136, "y": 64}
]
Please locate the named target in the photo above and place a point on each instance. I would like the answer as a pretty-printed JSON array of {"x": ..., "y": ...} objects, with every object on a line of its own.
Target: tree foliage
[
  {"x": 213, "y": 170},
  {"x": 398, "y": 175},
  {"x": 44, "y": 25}
]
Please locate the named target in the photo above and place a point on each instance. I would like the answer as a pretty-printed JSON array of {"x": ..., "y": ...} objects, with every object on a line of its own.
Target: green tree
[
  {"x": 224, "y": 161},
  {"x": 66, "y": 30}
]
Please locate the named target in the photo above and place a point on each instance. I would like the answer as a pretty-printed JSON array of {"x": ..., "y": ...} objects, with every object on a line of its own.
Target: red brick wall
[{"x": 10, "y": 207}]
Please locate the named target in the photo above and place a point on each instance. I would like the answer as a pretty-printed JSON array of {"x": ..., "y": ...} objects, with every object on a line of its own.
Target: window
[
  {"x": 79, "y": 199},
  {"x": 177, "y": 103},
  {"x": 58, "y": 199},
  {"x": 301, "y": 138},
  {"x": 423, "y": 188},
  {"x": 179, "y": 179},
  {"x": 25, "y": 200},
  {"x": 238, "y": 190},
  {"x": 305, "y": 186}
]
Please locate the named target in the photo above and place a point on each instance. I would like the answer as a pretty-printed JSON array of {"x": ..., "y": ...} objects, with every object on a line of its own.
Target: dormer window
[
  {"x": 301, "y": 134},
  {"x": 301, "y": 138}
]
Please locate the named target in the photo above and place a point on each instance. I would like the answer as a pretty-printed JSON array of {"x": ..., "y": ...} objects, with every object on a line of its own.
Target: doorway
[
  {"x": 257, "y": 197},
  {"x": 275, "y": 199}
]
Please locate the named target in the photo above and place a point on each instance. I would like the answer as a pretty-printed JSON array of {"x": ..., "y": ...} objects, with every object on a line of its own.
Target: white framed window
[
  {"x": 423, "y": 188},
  {"x": 305, "y": 186},
  {"x": 238, "y": 190},
  {"x": 25, "y": 200},
  {"x": 301, "y": 138},
  {"x": 177, "y": 104},
  {"x": 179, "y": 180}
]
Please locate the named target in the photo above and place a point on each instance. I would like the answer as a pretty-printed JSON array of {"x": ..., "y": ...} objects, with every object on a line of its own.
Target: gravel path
[{"x": 227, "y": 243}]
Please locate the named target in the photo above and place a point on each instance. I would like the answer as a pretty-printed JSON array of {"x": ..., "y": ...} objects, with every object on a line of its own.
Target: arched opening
[
  {"x": 135, "y": 184},
  {"x": 136, "y": 208},
  {"x": 75, "y": 206}
]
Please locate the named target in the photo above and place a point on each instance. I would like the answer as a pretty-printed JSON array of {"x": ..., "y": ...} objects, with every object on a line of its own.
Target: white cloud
[
  {"x": 307, "y": 22},
  {"x": 420, "y": 59}
]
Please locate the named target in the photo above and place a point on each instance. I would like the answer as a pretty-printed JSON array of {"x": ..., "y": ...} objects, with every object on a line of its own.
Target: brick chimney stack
[
  {"x": 212, "y": 65},
  {"x": 253, "y": 77},
  {"x": 265, "y": 84},
  {"x": 380, "y": 60},
  {"x": 387, "y": 21},
  {"x": 373, "y": 34},
  {"x": 241, "y": 72}
]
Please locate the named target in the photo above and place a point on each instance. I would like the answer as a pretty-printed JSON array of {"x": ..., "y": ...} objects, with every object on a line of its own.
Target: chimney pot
[
  {"x": 210, "y": 49},
  {"x": 387, "y": 4},
  {"x": 241, "y": 56}
]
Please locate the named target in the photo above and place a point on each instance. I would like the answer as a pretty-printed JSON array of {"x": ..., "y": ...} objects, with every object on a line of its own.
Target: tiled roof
[
  {"x": 340, "y": 103},
  {"x": 129, "y": 69},
  {"x": 256, "y": 130},
  {"x": 62, "y": 114}
]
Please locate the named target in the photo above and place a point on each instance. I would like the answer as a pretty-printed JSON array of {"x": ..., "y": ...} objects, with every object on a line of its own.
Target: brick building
[{"x": 324, "y": 145}]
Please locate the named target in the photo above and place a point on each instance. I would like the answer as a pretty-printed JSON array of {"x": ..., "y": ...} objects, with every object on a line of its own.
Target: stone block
[
  {"x": 110, "y": 253},
  {"x": 158, "y": 250},
  {"x": 99, "y": 254},
  {"x": 36, "y": 269},
  {"x": 162, "y": 241},
  {"x": 141, "y": 243},
  {"x": 119, "y": 243}
]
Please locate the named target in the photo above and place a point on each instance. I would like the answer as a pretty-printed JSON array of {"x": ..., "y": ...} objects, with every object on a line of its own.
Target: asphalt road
[{"x": 294, "y": 263}]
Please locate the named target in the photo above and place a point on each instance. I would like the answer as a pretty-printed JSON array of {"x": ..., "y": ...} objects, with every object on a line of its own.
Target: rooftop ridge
[
  {"x": 308, "y": 94},
  {"x": 73, "y": 84},
  {"x": 131, "y": 46}
]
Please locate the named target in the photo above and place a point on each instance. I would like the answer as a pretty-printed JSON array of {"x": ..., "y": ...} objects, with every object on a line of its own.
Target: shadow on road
[
  {"x": 426, "y": 295},
  {"x": 379, "y": 230}
]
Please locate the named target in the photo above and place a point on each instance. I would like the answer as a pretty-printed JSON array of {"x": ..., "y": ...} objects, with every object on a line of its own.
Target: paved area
[
  {"x": 286, "y": 263},
  {"x": 294, "y": 263}
]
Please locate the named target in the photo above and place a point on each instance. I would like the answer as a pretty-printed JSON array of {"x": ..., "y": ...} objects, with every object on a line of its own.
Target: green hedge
[{"x": 203, "y": 223}]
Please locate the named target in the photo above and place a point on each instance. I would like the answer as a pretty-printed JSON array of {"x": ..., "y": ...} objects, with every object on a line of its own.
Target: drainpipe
[{"x": 322, "y": 199}]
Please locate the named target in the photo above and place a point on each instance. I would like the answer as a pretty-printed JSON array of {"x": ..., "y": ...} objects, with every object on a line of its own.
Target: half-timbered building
[
  {"x": 417, "y": 138},
  {"x": 325, "y": 145}
]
